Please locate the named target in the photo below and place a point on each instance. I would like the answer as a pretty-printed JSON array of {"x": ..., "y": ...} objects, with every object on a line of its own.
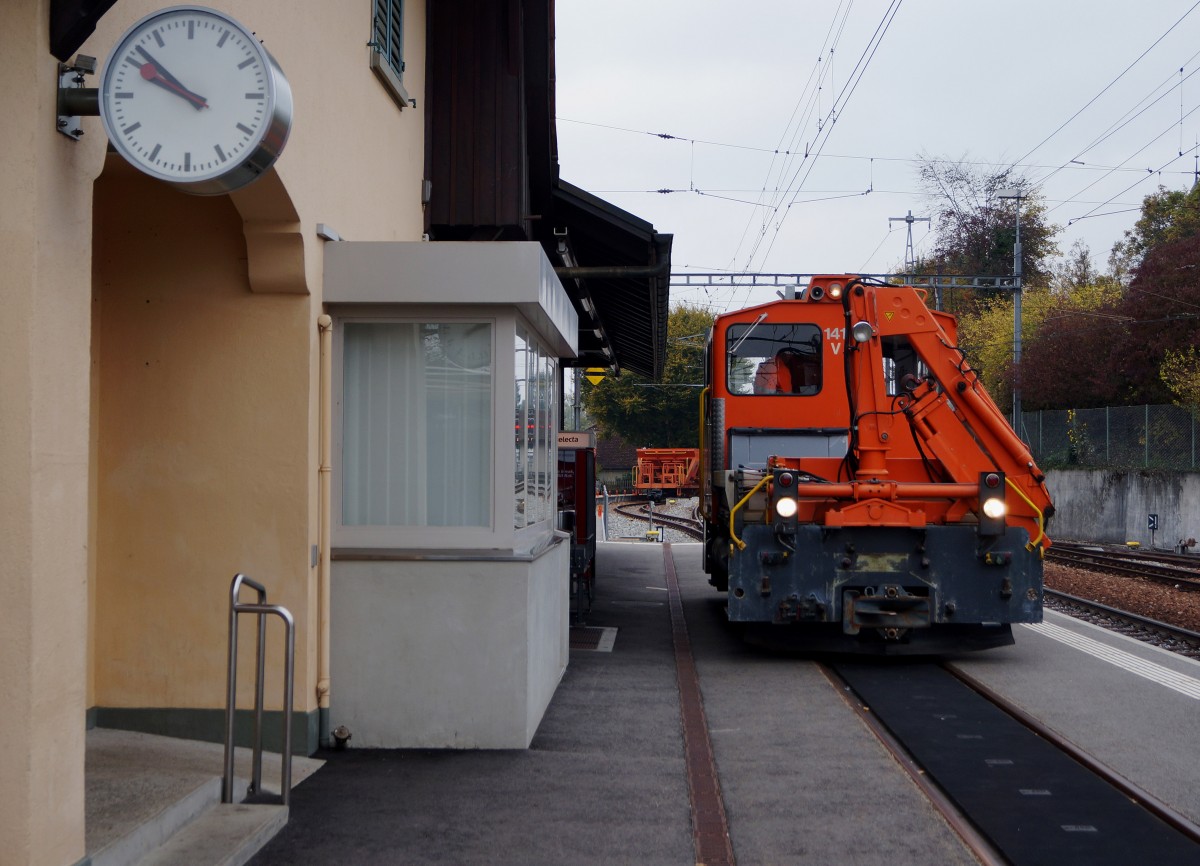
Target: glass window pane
[
  {"x": 768, "y": 358},
  {"x": 416, "y": 423},
  {"x": 522, "y": 397},
  {"x": 546, "y": 433},
  {"x": 535, "y": 427}
]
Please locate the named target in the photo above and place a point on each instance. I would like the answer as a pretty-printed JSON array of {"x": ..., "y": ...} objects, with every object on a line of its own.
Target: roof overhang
[{"x": 617, "y": 269}]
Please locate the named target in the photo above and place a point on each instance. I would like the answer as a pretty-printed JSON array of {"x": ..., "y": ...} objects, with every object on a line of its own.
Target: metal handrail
[{"x": 261, "y": 610}]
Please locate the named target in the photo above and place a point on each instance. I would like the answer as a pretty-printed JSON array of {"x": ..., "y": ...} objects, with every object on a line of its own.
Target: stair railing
[{"x": 261, "y": 610}]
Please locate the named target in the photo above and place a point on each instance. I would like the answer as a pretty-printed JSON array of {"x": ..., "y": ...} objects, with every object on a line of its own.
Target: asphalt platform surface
[{"x": 605, "y": 780}]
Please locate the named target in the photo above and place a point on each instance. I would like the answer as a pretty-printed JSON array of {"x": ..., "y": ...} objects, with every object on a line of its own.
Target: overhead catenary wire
[
  {"x": 743, "y": 150},
  {"x": 863, "y": 157},
  {"x": 807, "y": 97},
  {"x": 797, "y": 181},
  {"x": 1108, "y": 86}
]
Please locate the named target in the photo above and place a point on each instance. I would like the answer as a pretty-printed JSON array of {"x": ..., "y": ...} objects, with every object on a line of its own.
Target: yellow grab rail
[
  {"x": 741, "y": 545},
  {"x": 1041, "y": 521}
]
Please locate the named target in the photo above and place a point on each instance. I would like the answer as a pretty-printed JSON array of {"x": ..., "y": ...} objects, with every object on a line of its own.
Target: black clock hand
[
  {"x": 153, "y": 72},
  {"x": 165, "y": 74}
]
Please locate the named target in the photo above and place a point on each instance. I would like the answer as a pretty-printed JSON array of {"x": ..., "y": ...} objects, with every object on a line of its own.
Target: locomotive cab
[{"x": 848, "y": 454}]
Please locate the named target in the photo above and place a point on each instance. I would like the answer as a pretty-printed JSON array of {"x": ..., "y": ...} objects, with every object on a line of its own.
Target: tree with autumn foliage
[
  {"x": 1180, "y": 372},
  {"x": 1162, "y": 306},
  {"x": 661, "y": 414},
  {"x": 1067, "y": 357},
  {"x": 1167, "y": 215},
  {"x": 975, "y": 230},
  {"x": 1092, "y": 339}
]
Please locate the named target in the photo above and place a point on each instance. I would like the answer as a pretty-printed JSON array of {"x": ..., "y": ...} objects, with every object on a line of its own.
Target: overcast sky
[{"x": 988, "y": 82}]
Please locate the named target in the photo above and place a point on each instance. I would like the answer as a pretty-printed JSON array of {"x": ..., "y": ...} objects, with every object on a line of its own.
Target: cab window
[{"x": 773, "y": 358}]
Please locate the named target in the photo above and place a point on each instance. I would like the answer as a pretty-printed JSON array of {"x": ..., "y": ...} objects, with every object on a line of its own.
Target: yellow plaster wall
[
  {"x": 45, "y": 239},
  {"x": 206, "y": 396},
  {"x": 202, "y": 455},
  {"x": 140, "y": 472}
]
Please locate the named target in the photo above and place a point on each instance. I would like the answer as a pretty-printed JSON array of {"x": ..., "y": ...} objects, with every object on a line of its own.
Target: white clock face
[{"x": 189, "y": 96}]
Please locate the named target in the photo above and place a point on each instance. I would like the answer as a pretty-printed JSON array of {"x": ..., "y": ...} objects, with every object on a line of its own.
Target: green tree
[
  {"x": 985, "y": 334},
  {"x": 1167, "y": 215},
  {"x": 1076, "y": 272},
  {"x": 1180, "y": 372},
  {"x": 1068, "y": 334},
  {"x": 657, "y": 414}
]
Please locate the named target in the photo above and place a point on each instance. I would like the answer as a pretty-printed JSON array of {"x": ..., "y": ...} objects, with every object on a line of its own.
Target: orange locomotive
[{"x": 857, "y": 481}]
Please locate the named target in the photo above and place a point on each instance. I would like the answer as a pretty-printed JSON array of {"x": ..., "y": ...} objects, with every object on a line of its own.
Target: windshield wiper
[{"x": 746, "y": 335}]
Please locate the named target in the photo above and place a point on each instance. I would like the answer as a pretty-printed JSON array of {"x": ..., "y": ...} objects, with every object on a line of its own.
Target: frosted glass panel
[{"x": 416, "y": 424}]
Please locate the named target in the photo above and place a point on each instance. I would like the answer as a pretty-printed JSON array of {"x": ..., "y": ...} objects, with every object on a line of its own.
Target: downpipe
[{"x": 324, "y": 513}]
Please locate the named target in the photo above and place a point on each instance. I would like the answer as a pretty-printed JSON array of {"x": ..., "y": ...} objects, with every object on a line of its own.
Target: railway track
[
  {"x": 1184, "y": 576},
  {"x": 1161, "y": 634},
  {"x": 1013, "y": 790},
  {"x": 691, "y": 527}
]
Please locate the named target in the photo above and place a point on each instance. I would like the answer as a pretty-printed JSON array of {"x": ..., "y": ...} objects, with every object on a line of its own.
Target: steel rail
[
  {"x": 979, "y": 845},
  {"x": 1189, "y": 561},
  {"x": 1136, "y": 619},
  {"x": 973, "y": 834},
  {"x": 1137, "y": 794},
  {"x": 685, "y": 525},
  {"x": 1184, "y": 581}
]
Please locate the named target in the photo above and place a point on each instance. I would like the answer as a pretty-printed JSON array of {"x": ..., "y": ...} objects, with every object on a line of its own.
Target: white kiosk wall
[{"x": 449, "y": 609}]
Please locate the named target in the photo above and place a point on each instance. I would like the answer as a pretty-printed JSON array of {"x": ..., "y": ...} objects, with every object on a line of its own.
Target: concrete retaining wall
[{"x": 1113, "y": 505}]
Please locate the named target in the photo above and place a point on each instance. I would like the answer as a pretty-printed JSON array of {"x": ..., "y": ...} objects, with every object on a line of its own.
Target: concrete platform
[
  {"x": 803, "y": 781},
  {"x": 153, "y": 800},
  {"x": 604, "y": 780}
]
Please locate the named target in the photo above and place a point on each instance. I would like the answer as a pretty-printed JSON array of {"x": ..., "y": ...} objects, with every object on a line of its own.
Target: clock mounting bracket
[{"x": 75, "y": 101}]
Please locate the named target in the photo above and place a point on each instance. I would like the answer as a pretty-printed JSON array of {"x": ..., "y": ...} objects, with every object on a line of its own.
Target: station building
[{"x": 342, "y": 380}]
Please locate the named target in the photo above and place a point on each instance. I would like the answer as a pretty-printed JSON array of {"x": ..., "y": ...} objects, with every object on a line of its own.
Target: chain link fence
[{"x": 1116, "y": 437}]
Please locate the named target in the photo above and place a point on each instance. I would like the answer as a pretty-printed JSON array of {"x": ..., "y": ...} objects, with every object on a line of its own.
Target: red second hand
[{"x": 150, "y": 72}]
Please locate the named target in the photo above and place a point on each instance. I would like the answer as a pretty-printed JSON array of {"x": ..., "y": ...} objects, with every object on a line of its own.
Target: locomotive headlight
[
  {"x": 862, "y": 331},
  {"x": 786, "y": 507},
  {"x": 994, "y": 508},
  {"x": 835, "y": 290}
]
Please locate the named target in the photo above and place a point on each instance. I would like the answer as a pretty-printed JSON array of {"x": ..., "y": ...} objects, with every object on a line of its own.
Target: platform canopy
[{"x": 491, "y": 159}]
